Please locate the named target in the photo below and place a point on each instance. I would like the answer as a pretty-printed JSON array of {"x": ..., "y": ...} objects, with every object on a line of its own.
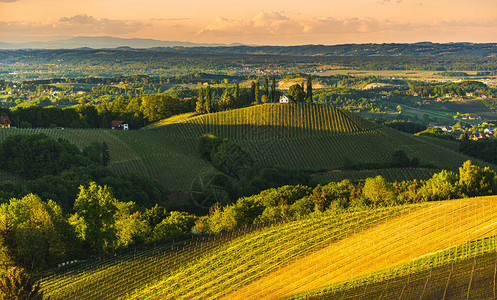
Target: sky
[{"x": 260, "y": 22}]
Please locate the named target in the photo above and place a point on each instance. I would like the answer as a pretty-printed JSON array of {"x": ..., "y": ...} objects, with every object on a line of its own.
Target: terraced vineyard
[
  {"x": 295, "y": 137},
  {"x": 352, "y": 253}
]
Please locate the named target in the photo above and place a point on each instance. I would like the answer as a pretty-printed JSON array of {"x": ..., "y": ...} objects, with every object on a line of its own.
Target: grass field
[
  {"x": 294, "y": 137},
  {"x": 173, "y": 119},
  {"x": 329, "y": 254}
]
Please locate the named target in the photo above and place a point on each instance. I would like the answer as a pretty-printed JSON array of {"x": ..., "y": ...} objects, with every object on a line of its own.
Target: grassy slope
[
  {"x": 290, "y": 258},
  {"x": 428, "y": 230},
  {"x": 472, "y": 278},
  {"x": 309, "y": 137}
]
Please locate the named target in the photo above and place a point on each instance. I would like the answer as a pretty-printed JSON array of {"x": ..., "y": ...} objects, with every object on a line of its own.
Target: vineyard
[
  {"x": 294, "y": 137},
  {"x": 395, "y": 250}
]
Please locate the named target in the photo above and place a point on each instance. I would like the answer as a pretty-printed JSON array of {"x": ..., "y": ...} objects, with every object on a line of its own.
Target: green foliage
[
  {"x": 296, "y": 93},
  {"x": 442, "y": 186},
  {"x": 207, "y": 145},
  {"x": 94, "y": 152},
  {"x": 435, "y": 132},
  {"x": 476, "y": 181},
  {"x": 130, "y": 226},
  {"x": 16, "y": 284},
  {"x": 200, "y": 105},
  {"x": 33, "y": 156},
  {"x": 400, "y": 159},
  {"x": 176, "y": 225},
  {"x": 378, "y": 192},
  {"x": 230, "y": 158},
  {"x": 94, "y": 220},
  {"x": 35, "y": 232},
  {"x": 308, "y": 95},
  {"x": 105, "y": 154}
]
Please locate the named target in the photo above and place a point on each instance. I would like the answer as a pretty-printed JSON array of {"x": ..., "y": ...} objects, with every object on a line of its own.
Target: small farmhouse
[
  {"x": 4, "y": 122},
  {"x": 119, "y": 125},
  {"x": 284, "y": 99}
]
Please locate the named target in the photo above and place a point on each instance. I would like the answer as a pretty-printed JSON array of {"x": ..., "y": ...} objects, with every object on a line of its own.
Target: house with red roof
[
  {"x": 5, "y": 122},
  {"x": 119, "y": 125}
]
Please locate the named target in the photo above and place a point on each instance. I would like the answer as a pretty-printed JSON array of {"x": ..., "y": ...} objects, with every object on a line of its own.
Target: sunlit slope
[
  {"x": 308, "y": 137},
  {"x": 472, "y": 278},
  {"x": 209, "y": 266},
  {"x": 294, "y": 257},
  {"x": 291, "y": 136},
  {"x": 421, "y": 232}
]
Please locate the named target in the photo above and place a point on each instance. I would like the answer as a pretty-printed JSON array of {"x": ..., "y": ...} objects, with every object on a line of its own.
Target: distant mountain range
[
  {"x": 100, "y": 42},
  {"x": 392, "y": 49}
]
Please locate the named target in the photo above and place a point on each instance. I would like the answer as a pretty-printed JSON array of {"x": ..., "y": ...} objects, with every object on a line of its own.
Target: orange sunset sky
[{"x": 269, "y": 22}]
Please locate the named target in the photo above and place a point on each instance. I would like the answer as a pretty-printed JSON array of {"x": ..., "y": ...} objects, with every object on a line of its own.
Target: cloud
[
  {"x": 278, "y": 28},
  {"x": 266, "y": 23},
  {"x": 8, "y": 0},
  {"x": 275, "y": 23},
  {"x": 388, "y": 1},
  {"x": 75, "y": 25}
]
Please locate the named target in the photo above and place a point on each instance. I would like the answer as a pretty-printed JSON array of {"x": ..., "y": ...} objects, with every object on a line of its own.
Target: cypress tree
[
  {"x": 257, "y": 91},
  {"x": 208, "y": 99},
  {"x": 200, "y": 107},
  {"x": 252, "y": 91},
  {"x": 105, "y": 154},
  {"x": 308, "y": 97},
  {"x": 273, "y": 90},
  {"x": 266, "y": 87}
]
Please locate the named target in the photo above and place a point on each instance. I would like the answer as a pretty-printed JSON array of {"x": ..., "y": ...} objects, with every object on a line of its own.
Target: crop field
[
  {"x": 294, "y": 137},
  {"x": 173, "y": 119},
  {"x": 179, "y": 271},
  {"x": 434, "y": 228},
  {"x": 471, "y": 278},
  {"x": 366, "y": 251}
]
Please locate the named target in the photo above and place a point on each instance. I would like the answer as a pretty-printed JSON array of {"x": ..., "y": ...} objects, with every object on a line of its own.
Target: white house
[
  {"x": 119, "y": 125},
  {"x": 284, "y": 99}
]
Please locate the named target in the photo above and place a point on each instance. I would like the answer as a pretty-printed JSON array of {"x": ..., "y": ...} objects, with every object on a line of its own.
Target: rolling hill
[
  {"x": 432, "y": 247},
  {"x": 308, "y": 137}
]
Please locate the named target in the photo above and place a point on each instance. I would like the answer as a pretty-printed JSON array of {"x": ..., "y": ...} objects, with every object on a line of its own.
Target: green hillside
[
  {"x": 294, "y": 137},
  {"x": 324, "y": 254}
]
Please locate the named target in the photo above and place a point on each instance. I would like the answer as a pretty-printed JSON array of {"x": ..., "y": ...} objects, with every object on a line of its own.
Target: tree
[
  {"x": 230, "y": 158},
  {"x": 378, "y": 192},
  {"x": 200, "y": 106},
  {"x": 296, "y": 93},
  {"x": 475, "y": 181},
  {"x": 400, "y": 159},
  {"x": 257, "y": 92},
  {"x": 252, "y": 91},
  {"x": 33, "y": 231},
  {"x": 207, "y": 145},
  {"x": 208, "y": 99},
  {"x": 237, "y": 92},
  {"x": 94, "y": 220},
  {"x": 308, "y": 97},
  {"x": 105, "y": 154},
  {"x": 266, "y": 87},
  {"x": 16, "y": 284},
  {"x": 177, "y": 224},
  {"x": 273, "y": 90}
]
